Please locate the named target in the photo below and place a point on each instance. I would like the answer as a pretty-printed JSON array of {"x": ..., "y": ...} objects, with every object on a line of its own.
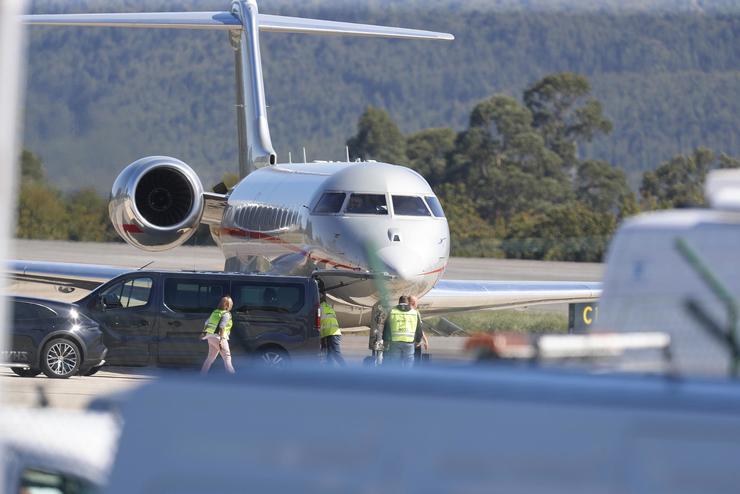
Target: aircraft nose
[{"x": 400, "y": 261}]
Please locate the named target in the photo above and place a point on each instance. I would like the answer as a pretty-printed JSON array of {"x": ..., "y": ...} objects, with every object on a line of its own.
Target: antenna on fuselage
[
  {"x": 290, "y": 158},
  {"x": 346, "y": 152},
  {"x": 304, "y": 155}
]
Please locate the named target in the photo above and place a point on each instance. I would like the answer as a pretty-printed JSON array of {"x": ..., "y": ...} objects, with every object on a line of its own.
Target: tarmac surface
[{"x": 77, "y": 392}]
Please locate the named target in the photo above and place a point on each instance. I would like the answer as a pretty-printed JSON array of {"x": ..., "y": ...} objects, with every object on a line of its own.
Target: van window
[
  {"x": 266, "y": 296},
  {"x": 184, "y": 295},
  {"x": 127, "y": 294},
  {"x": 330, "y": 202},
  {"x": 367, "y": 204},
  {"x": 409, "y": 206}
]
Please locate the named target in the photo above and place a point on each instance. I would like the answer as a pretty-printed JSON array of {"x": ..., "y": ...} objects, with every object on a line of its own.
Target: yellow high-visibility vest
[
  {"x": 212, "y": 324},
  {"x": 329, "y": 323},
  {"x": 403, "y": 325}
]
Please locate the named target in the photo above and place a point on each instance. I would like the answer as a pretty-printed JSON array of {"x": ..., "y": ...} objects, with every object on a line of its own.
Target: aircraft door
[
  {"x": 188, "y": 302},
  {"x": 127, "y": 315}
]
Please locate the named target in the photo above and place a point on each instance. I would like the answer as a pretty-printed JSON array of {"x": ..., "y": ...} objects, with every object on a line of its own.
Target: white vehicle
[
  {"x": 474, "y": 429},
  {"x": 650, "y": 285}
]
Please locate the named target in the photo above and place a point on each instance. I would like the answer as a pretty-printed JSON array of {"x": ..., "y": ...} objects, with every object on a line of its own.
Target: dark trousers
[{"x": 332, "y": 345}]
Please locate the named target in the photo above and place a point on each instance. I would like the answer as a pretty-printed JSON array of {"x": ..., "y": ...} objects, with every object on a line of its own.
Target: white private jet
[{"x": 348, "y": 223}]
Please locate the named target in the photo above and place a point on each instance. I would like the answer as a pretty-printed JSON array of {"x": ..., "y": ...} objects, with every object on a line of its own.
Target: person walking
[
  {"x": 216, "y": 332},
  {"x": 401, "y": 330},
  {"x": 331, "y": 334},
  {"x": 422, "y": 344}
]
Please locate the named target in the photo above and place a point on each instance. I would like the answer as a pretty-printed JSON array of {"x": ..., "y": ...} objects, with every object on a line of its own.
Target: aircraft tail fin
[{"x": 229, "y": 21}]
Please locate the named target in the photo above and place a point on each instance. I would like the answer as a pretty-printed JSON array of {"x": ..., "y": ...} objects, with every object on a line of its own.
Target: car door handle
[{"x": 176, "y": 324}]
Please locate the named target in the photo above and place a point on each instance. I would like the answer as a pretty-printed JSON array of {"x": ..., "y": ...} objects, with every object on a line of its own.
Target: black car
[
  {"x": 55, "y": 338},
  {"x": 156, "y": 317}
]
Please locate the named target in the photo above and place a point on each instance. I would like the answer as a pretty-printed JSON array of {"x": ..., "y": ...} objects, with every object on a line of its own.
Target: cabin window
[
  {"x": 435, "y": 206},
  {"x": 367, "y": 204},
  {"x": 330, "y": 202},
  {"x": 409, "y": 206}
]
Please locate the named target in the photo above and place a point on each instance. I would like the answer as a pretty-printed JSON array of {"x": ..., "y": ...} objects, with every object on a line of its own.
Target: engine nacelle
[{"x": 156, "y": 203}]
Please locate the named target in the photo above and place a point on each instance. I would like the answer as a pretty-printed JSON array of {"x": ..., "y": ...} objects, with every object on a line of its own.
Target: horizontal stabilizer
[
  {"x": 228, "y": 21},
  {"x": 278, "y": 23}
]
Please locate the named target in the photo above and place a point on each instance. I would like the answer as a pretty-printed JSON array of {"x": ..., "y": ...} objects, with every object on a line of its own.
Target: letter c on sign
[{"x": 587, "y": 315}]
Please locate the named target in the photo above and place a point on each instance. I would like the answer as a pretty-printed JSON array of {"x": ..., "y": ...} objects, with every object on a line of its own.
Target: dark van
[{"x": 156, "y": 317}]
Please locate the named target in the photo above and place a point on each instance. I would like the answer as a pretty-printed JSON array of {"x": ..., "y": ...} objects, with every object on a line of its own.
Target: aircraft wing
[
  {"x": 457, "y": 296},
  {"x": 63, "y": 274},
  {"x": 229, "y": 21}
]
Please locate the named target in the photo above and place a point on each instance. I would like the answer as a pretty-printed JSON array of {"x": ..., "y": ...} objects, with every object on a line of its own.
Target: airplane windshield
[
  {"x": 367, "y": 204},
  {"x": 409, "y": 206},
  {"x": 330, "y": 202},
  {"x": 435, "y": 206}
]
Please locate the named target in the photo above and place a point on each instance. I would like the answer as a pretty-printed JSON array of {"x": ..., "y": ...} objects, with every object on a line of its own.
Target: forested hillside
[{"x": 100, "y": 98}]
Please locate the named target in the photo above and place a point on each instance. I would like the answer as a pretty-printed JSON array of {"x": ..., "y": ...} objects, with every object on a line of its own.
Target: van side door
[
  {"x": 267, "y": 313},
  {"x": 188, "y": 302},
  {"x": 127, "y": 314}
]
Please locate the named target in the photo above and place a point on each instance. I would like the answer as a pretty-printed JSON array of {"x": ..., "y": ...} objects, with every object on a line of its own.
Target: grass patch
[{"x": 506, "y": 320}]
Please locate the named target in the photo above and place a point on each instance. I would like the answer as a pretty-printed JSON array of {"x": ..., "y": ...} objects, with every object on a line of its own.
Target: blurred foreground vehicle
[
  {"x": 54, "y": 338},
  {"x": 488, "y": 428},
  {"x": 678, "y": 271},
  {"x": 55, "y": 451}
]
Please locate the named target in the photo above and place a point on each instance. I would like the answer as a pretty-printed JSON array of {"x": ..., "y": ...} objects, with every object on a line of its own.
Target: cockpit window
[
  {"x": 409, "y": 206},
  {"x": 435, "y": 206},
  {"x": 367, "y": 204},
  {"x": 330, "y": 202}
]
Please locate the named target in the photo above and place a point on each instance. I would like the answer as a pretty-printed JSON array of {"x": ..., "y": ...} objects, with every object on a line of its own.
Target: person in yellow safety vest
[
  {"x": 424, "y": 343},
  {"x": 401, "y": 331},
  {"x": 216, "y": 332},
  {"x": 331, "y": 335}
]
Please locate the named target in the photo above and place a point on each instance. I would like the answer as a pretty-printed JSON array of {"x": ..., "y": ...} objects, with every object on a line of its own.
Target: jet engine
[{"x": 156, "y": 203}]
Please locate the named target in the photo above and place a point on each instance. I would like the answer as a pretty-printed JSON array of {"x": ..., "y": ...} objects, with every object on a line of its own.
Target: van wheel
[
  {"x": 20, "y": 371},
  {"x": 60, "y": 358},
  {"x": 273, "y": 358}
]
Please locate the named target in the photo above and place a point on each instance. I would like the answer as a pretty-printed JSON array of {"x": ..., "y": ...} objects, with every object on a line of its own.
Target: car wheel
[
  {"x": 93, "y": 370},
  {"x": 20, "y": 371},
  {"x": 273, "y": 358},
  {"x": 60, "y": 358}
]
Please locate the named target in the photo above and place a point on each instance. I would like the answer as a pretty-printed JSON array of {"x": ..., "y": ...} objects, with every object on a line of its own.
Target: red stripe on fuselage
[{"x": 238, "y": 232}]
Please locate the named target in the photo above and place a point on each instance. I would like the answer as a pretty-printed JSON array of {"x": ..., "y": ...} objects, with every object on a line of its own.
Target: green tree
[
  {"x": 41, "y": 213},
  {"x": 378, "y": 138},
  {"x": 566, "y": 232},
  {"x": 470, "y": 235},
  {"x": 31, "y": 166},
  {"x": 427, "y": 152},
  {"x": 504, "y": 163},
  {"x": 88, "y": 218},
  {"x": 678, "y": 182},
  {"x": 604, "y": 188},
  {"x": 564, "y": 113}
]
